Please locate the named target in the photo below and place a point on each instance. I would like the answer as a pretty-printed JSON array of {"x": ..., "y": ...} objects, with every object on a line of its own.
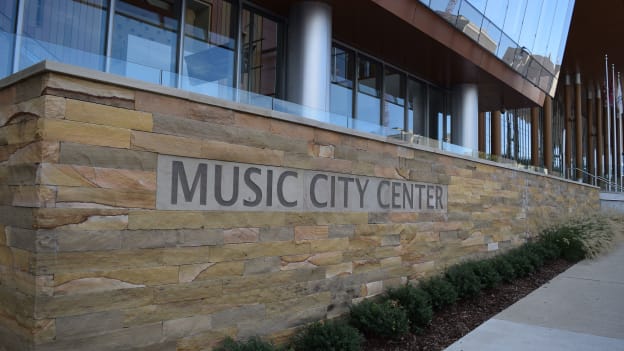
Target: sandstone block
[
  {"x": 240, "y": 235},
  {"x": 341, "y": 231},
  {"x": 106, "y": 157},
  {"x": 188, "y": 291},
  {"x": 276, "y": 234},
  {"x": 311, "y": 232},
  {"x": 109, "y": 197},
  {"x": 146, "y": 239},
  {"x": 88, "y": 112},
  {"x": 325, "y": 245},
  {"x": 36, "y": 152},
  {"x": 133, "y": 338},
  {"x": 67, "y": 305},
  {"x": 262, "y": 265},
  {"x": 23, "y": 132},
  {"x": 108, "y": 178},
  {"x": 232, "y": 252},
  {"x": 33, "y": 196},
  {"x": 85, "y": 133},
  {"x": 199, "y": 237},
  {"x": 340, "y": 269},
  {"x": 326, "y": 258},
  {"x": 48, "y": 218},
  {"x": 158, "y": 275},
  {"x": 88, "y": 324},
  {"x": 177, "y": 328},
  {"x": 221, "y": 269},
  {"x": 217, "y": 150},
  {"x": 234, "y": 316},
  {"x": 166, "y": 144}
]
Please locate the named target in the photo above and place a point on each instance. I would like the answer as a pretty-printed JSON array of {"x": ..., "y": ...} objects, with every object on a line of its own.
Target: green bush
[
  {"x": 463, "y": 278},
  {"x": 504, "y": 268},
  {"x": 252, "y": 344},
  {"x": 520, "y": 262},
  {"x": 416, "y": 302},
  {"x": 534, "y": 253},
  {"x": 441, "y": 292},
  {"x": 331, "y": 336},
  {"x": 487, "y": 273},
  {"x": 385, "y": 319}
]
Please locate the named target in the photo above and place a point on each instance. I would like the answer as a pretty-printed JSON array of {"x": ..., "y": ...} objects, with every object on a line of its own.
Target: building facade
[{"x": 174, "y": 172}]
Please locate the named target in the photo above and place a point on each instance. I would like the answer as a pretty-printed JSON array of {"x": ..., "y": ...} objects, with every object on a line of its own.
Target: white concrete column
[
  {"x": 465, "y": 119},
  {"x": 309, "y": 54}
]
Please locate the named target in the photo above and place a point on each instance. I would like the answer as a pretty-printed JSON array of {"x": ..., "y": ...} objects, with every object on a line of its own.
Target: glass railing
[
  {"x": 537, "y": 69},
  {"x": 34, "y": 51}
]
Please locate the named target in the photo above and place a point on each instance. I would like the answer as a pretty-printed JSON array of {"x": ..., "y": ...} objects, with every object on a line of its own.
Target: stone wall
[{"x": 88, "y": 262}]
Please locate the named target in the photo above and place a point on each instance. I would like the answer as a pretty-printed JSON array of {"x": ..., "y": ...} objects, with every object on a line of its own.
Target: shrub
[
  {"x": 331, "y": 335},
  {"x": 521, "y": 264},
  {"x": 504, "y": 268},
  {"x": 416, "y": 302},
  {"x": 463, "y": 278},
  {"x": 252, "y": 344},
  {"x": 385, "y": 320},
  {"x": 441, "y": 292},
  {"x": 534, "y": 253},
  {"x": 487, "y": 273}
]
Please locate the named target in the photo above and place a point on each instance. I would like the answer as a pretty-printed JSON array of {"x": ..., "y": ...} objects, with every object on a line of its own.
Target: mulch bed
[{"x": 457, "y": 320}]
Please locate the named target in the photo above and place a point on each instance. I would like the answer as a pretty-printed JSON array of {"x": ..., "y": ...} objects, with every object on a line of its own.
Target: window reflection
[
  {"x": 259, "y": 61},
  {"x": 60, "y": 39},
  {"x": 209, "y": 41},
  {"x": 341, "y": 89},
  {"x": 417, "y": 107},
  {"x": 369, "y": 90},
  {"x": 7, "y": 26},
  {"x": 145, "y": 40},
  {"x": 394, "y": 100}
]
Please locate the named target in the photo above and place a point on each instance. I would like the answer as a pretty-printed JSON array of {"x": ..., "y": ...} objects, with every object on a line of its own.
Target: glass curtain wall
[
  {"x": 209, "y": 42},
  {"x": 368, "y": 104},
  {"x": 342, "y": 78},
  {"x": 190, "y": 44},
  {"x": 145, "y": 40},
  {"x": 47, "y": 32},
  {"x": 386, "y": 97},
  {"x": 260, "y": 54},
  {"x": 8, "y": 15},
  {"x": 528, "y": 35}
]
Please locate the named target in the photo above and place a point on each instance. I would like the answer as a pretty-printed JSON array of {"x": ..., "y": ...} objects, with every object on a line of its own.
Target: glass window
[
  {"x": 559, "y": 35},
  {"x": 469, "y": 20},
  {"x": 145, "y": 40},
  {"x": 65, "y": 31},
  {"x": 259, "y": 61},
  {"x": 7, "y": 28},
  {"x": 417, "y": 107},
  {"x": 530, "y": 23},
  {"x": 513, "y": 19},
  {"x": 341, "y": 89},
  {"x": 490, "y": 36},
  {"x": 394, "y": 100},
  {"x": 447, "y": 9},
  {"x": 436, "y": 113},
  {"x": 478, "y": 4},
  {"x": 544, "y": 29},
  {"x": 209, "y": 41},
  {"x": 495, "y": 11},
  {"x": 369, "y": 90}
]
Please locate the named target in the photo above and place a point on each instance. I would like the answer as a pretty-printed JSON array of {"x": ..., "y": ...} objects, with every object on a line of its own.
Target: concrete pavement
[{"x": 581, "y": 309}]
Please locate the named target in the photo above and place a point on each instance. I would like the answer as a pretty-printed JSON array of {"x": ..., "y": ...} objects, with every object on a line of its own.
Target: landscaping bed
[{"x": 451, "y": 323}]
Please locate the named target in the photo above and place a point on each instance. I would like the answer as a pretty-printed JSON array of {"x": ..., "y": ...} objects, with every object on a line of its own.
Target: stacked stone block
[{"x": 88, "y": 262}]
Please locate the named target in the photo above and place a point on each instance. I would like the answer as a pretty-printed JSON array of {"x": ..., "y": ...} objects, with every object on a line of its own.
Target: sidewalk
[{"x": 580, "y": 309}]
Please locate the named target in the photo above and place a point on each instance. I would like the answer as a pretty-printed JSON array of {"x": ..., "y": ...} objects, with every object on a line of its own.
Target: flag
[{"x": 618, "y": 97}]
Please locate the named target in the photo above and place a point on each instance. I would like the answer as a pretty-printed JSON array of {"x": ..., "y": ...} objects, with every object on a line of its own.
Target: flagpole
[
  {"x": 620, "y": 148},
  {"x": 615, "y": 158},
  {"x": 608, "y": 120}
]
